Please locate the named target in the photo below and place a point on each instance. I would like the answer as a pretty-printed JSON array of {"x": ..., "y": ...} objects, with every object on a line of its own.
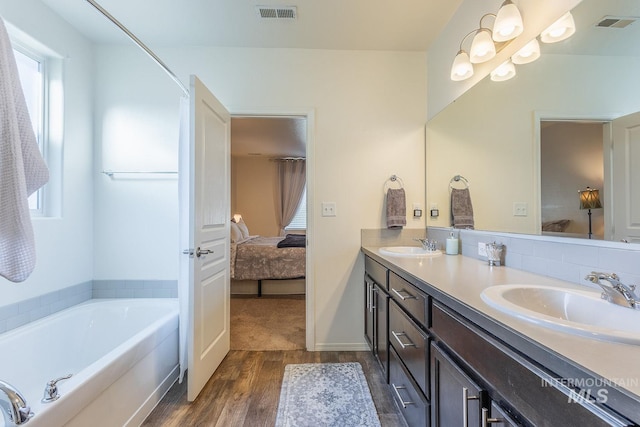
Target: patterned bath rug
[{"x": 325, "y": 394}]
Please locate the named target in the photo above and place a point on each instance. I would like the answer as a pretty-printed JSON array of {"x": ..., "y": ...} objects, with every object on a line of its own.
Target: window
[
  {"x": 31, "y": 71},
  {"x": 299, "y": 221},
  {"x": 40, "y": 71}
]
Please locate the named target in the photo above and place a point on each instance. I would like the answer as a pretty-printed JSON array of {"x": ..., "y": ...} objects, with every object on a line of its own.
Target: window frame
[{"x": 42, "y": 132}]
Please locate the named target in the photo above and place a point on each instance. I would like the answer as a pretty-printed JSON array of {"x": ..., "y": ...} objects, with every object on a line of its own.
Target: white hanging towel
[{"x": 22, "y": 170}]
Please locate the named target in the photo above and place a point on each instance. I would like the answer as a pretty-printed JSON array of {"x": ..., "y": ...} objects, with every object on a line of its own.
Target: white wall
[
  {"x": 370, "y": 109},
  {"x": 63, "y": 244}
]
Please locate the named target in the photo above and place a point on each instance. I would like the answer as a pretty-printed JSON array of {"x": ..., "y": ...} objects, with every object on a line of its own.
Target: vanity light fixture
[
  {"x": 528, "y": 53},
  {"x": 508, "y": 24},
  {"x": 560, "y": 30},
  {"x": 504, "y": 72}
]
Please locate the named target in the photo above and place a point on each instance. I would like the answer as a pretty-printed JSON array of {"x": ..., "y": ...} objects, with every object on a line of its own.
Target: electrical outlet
[
  {"x": 482, "y": 249},
  {"x": 520, "y": 209},
  {"x": 328, "y": 208}
]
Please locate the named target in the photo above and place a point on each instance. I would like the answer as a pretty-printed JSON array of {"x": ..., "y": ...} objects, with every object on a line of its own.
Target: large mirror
[{"x": 491, "y": 135}]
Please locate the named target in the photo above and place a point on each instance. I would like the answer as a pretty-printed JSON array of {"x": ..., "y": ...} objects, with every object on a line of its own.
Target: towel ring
[
  {"x": 458, "y": 178},
  {"x": 393, "y": 179}
]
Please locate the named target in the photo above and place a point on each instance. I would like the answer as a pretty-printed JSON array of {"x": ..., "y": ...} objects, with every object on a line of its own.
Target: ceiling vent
[
  {"x": 279, "y": 13},
  {"x": 616, "y": 21}
]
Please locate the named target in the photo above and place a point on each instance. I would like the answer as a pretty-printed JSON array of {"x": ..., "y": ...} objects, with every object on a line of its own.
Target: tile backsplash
[{"x": 568, "y": 259}]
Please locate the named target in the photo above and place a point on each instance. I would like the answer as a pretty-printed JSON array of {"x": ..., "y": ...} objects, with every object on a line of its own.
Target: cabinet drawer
[
  {"x": 411, "y": 344},
  {"x": 376, "y": 271},
  {"x": 408, "y": 296},
  {"x": 514, "y": 381},
  {"x": 413, "y": 406}
]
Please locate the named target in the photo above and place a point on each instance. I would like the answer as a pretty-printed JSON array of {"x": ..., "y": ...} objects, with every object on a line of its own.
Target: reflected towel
[
  {"x": 22, "y": 170},
  {"x": 461, "y": 208},
  {"x": 396, "y": 208}
]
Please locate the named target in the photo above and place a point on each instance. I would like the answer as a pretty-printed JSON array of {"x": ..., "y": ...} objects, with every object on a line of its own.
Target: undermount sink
[
  {"x": 408, "y": 251},
  {"x": 572, "y": 311}
]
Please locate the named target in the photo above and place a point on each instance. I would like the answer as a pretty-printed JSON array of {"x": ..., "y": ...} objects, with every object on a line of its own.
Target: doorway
[
  {"x": 571, "y": 159},
  {"x": 267, "y": 313}
]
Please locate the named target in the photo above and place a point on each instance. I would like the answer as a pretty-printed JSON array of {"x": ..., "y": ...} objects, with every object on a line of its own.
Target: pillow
[
  {"x": 243, "y": 228},
  {"x": 236, "y": 234}
]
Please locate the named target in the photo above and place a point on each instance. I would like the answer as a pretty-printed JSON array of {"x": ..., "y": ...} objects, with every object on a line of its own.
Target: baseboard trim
[{"x": 341, "y": 347}]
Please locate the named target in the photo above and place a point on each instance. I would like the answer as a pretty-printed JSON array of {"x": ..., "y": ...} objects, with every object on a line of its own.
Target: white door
[
  {"x": 209, "y": 205},
  {"x": 626, "y": 178}
]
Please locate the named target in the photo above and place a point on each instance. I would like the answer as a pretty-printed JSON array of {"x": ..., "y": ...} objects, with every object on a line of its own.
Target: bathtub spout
[{"x": 14, "y": 405}]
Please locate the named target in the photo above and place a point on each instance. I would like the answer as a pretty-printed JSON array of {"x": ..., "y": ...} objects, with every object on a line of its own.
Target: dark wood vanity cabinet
[
  {"x": 376, "y": 316},
  {"x": 458, "y": 400},
  {"x": 475, "y": 374},
  {"x": 445, "y": 371}
]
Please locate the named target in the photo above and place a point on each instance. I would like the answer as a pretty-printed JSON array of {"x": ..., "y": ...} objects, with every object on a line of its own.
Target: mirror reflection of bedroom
[{"x": 268, "y": 232}]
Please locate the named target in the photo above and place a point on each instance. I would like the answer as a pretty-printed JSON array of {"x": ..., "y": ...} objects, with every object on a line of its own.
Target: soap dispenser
[{"x": 452, "y": 244}]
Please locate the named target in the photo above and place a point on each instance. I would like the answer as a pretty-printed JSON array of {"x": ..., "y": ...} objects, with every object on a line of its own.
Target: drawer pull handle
[
  {"x": 465, "y": 407},
  {"x": 397, "y": 336},
  {"x": 402, "y": 402},
  {"x": 486, "y": 420},
  {"x": 404, "y": 297}
]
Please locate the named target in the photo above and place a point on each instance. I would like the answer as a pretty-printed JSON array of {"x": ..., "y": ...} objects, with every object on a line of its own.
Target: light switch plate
[
  {"x": 520, "y": 209},
  {"x": 329, "y": 209}
]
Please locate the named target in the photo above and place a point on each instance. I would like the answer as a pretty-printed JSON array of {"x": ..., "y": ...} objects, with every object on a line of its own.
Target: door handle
[{"x": 200, "y": 252}]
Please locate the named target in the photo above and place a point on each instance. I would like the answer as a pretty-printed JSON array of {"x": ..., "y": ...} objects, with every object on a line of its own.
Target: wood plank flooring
[{"x": 245, "y": 390}]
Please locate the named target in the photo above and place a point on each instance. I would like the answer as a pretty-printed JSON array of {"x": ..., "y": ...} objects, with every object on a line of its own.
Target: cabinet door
[
  {"x": 456, "y": 400},
  {"x": 381, "y": 335},
  {"x": 369, "y": 313}
]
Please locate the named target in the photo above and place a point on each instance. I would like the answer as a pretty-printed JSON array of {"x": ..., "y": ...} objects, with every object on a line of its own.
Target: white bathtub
[{"x": 123, "y": 354}]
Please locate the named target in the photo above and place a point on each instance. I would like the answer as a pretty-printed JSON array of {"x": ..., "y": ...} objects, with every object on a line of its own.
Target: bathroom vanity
[{"x": 450, "y": 359}]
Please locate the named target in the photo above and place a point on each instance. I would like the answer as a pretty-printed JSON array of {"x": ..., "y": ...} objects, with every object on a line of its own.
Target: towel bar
[
  {"x": 459, "y": 178},
  {"x": 393, "y": 179}
]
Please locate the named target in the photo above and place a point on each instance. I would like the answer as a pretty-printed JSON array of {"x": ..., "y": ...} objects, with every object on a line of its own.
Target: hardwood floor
[{"x": 245, "y": 390}]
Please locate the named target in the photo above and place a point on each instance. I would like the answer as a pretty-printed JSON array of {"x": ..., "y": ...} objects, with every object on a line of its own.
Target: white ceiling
[{"x": 322, "y": 24}]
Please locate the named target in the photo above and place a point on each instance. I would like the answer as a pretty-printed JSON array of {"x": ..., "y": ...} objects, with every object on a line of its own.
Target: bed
[{"x": 267, "y": 258}]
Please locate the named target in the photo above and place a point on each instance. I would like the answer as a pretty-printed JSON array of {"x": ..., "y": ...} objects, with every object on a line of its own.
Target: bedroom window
[
  {"x": 299, "y": 221},
  {"x": 41, "y": 79}
]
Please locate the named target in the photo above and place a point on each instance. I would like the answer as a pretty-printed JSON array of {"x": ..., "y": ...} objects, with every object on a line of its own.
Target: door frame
[{"x": 309, "y": 114}]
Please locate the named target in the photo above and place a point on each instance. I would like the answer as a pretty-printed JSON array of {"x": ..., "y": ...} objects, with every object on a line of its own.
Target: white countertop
[{"x": 463, "y": 279}]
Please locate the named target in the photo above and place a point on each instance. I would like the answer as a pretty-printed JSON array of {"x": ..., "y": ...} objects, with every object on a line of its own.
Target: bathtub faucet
[{"x": 14, "y": 405}]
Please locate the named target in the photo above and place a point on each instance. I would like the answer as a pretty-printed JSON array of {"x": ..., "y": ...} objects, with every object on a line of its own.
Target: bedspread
[{"x": 260, "y": 259}]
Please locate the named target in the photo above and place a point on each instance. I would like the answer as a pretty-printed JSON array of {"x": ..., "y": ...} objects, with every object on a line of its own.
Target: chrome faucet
[
  {"x": 14, "y": 405},
  {"x": 615, "y": 291},
  {"x": 427, "y": 245}
]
